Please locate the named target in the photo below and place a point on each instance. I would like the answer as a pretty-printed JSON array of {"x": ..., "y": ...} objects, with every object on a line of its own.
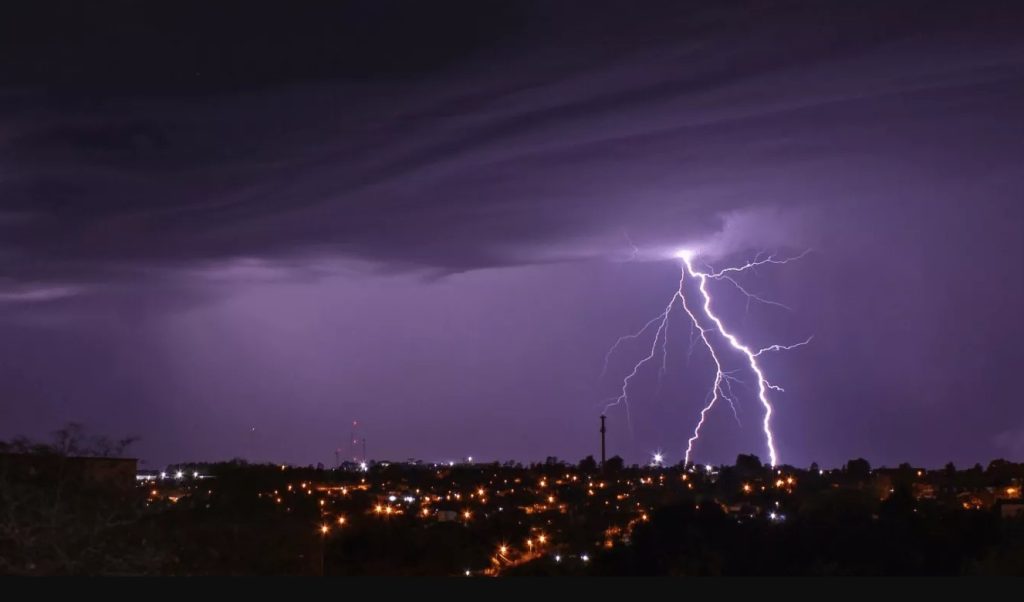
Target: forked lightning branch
[{"x": 715, "y": 338}]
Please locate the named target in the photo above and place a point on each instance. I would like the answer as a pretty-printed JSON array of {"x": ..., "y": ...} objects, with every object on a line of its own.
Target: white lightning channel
[
  {"x": 716, "y": 387},
  {"x": 627, "y": 337},
  {"x": 623, "y": 397},
  {"x": 784, "y": 347},
  {"x": 742, "y": 268},
  {"x": 762, "y": 383},
  {"x": 721, "y": 387}
]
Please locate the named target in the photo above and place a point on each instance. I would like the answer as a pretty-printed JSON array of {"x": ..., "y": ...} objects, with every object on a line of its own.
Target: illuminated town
[
  {"x": 81, "y": 506},
  {"x": 548, "y": 518}
]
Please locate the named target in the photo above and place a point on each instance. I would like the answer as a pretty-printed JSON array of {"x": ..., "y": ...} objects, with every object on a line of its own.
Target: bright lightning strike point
[{"x": 686, "y": 255}]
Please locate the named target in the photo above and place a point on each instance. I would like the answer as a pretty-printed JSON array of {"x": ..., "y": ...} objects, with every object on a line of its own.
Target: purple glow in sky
[{"x": 233, "y": 237}]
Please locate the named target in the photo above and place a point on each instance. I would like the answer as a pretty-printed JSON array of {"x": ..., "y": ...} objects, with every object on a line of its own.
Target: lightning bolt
[
  {"x": 627, "y": 337},
  {"x": 662, "y": 321},
  {"x": 635, "y": 250},
  {"x": 747, "y": 266},
  {"x": 706, "y": 325},
  {"x": 762, "y": 383},
  {"x": 783, "y": 347}
]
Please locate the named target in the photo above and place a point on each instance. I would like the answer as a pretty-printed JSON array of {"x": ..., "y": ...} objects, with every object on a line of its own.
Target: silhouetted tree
[
  {"x": 748, "y": 465},
  {"x": 615, "y": 464},
  {"x": 552, "y": 462},
  {"x": 71, "y": 440},
  {"x": 1000, "y": 472},
  {"x": 54, "y": 522},
  {"x": 858, "y": 469},
  {"x": 587, "y": 464},
  {"x": 904, "y": 475}
]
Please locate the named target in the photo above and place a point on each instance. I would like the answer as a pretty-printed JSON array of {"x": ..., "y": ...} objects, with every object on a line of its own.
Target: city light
[{"x": 629, "y": 501}]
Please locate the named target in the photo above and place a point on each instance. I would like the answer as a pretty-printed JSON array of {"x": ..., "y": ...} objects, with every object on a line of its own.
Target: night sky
[{"x": 232, "y": 228}]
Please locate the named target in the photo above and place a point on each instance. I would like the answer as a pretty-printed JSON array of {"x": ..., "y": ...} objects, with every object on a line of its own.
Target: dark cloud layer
[
  {"x": 529, "y": 140},
  {"x": 153, "y": 158}
]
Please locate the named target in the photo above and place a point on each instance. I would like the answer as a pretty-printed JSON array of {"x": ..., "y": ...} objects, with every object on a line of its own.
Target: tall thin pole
[{"x": 602, "y": 441}]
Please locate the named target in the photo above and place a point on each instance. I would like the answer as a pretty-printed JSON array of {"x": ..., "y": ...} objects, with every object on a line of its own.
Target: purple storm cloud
[{"x": 234, "y": 243}]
